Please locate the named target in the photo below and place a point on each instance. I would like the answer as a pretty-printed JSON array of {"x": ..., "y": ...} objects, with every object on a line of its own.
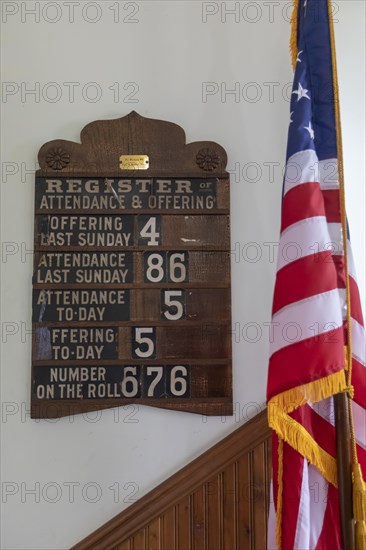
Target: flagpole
[
  {"x": 343, "y": 414},
  {"x": 344, "y": 470}
]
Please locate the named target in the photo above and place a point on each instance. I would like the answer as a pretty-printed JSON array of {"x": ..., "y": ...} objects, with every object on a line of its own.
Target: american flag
[{"x": 310, "y": 306}]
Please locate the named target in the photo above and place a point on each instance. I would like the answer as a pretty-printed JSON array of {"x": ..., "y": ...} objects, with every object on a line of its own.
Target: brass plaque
[{"x": 134, "y": 162}]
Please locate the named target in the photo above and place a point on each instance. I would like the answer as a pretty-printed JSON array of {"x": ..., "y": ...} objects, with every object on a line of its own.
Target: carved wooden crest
[{"x": 104, "y": 141}]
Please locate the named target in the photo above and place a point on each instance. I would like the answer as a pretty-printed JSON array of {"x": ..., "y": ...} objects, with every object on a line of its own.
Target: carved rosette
[
  {"x": 207, "y": 159},
  {"x": 57, "y": 158}
]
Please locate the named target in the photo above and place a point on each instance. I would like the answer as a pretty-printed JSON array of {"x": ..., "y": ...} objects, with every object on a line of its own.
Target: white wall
[{"x": 168, "y": 53}]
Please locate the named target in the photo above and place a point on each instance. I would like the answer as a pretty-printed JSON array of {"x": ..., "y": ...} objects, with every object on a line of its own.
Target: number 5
[
  {"x": 173, "y": 315},
  {"x": 144, "y": 341}
]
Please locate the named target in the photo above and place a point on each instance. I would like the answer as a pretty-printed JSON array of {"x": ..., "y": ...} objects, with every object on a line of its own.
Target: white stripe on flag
[
  {"x": 307, "y": 318},
  {"x": 307, "y": 237},
  {"x": 359, "y": 423},
  {"x": 312, "y": 506},
  {"x": 328, "y": 174},
  {"x": 336, "y": 239},
  {"x": 304, "y": 167},
  {"x": 358, "y": 342},
  {"x": 351, "y": 263},
  {"x": 318, "y": 505}
]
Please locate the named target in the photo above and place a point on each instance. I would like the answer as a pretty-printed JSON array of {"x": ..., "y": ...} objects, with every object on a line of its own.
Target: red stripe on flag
[
  {"x": 332, "y": 205},
  {"x": 338, "y": 260},
  {"x": 361, "y": 453},
  {"x": 306, "y": 361},
  {"x": 300, "y": 202},
  {"x": 292, "y": 482},
  {"x": 356, "y": 308},
  {"x": 330, "y": 537},
  {"x": 359, "y": 382},
  {"x": 296, "y": 281}
]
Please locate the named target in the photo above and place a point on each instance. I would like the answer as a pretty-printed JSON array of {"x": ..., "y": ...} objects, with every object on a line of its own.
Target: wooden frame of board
[{"x": 131, "y": 286}]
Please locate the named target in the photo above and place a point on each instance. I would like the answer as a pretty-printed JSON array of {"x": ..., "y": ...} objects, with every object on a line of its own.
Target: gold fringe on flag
[
  {"x": 293, "y": 433},
  {"x": 360, "y": 536},
  {"x": 359, "y": 507},
  {"x": 314, "y": 392}
]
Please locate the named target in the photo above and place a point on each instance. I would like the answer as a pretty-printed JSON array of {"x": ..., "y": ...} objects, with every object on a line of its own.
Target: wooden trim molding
[{"x": 218, "y": 501}]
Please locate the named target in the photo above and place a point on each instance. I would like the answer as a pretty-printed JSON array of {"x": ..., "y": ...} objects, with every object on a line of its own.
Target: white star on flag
[
  {"x": 298, "y": 60},
  {"x": 310, "y": 130},
  {"x": 301, "y": 92}
]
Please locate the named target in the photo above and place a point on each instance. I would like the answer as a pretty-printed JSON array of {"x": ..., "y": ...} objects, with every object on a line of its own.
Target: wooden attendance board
[{"x": 131, "y": 286}]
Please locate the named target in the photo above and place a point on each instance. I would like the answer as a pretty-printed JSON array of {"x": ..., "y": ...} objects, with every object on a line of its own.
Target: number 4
[{"x": 149, "y": 231}]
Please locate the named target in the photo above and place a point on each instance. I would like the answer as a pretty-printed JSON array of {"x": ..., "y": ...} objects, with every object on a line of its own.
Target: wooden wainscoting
[{"x": 217, "y": 502}]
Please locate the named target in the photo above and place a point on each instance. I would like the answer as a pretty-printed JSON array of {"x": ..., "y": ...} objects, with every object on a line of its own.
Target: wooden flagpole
[
  {"x": 342, "y": 402},
  {"x": 344, "y": 470}
]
